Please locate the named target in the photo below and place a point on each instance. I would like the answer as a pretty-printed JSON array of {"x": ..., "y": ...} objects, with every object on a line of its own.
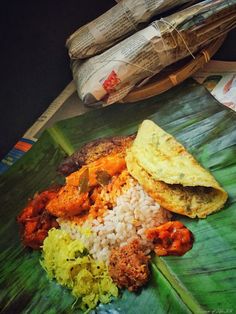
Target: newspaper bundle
[
  {"x": 218, "y": 76},
  {"x": 109, "y": 76},
  {"x": 114, "y": 25}
]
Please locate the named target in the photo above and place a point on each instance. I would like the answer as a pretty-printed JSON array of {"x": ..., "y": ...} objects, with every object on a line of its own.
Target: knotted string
[
  {"x": 125, "y": 9},
  {"x": 178, "y": 32}
]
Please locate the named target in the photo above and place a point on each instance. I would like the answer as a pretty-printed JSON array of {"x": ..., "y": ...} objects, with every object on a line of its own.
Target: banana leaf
[{"x": 201, "y": 281}]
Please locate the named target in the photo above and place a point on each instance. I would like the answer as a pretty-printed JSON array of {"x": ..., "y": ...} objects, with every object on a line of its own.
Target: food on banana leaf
[
  {"x": 171, "y": 175},
  {"x": 114, "y": 210}
]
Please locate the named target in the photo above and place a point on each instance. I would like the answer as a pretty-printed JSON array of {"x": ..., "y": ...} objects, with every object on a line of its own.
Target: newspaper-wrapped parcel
[
  {"x": 112, "y": 74},
  {"x": 114, "y": 25}
]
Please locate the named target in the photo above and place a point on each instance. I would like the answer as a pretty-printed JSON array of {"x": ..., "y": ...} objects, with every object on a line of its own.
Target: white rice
[{"x": 134, "y": 212}]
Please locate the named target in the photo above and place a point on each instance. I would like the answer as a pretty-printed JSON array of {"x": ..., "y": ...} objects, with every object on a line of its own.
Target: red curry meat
[
  {"x": 171, "y": 238},
  {"x": 35, "y": 221}
]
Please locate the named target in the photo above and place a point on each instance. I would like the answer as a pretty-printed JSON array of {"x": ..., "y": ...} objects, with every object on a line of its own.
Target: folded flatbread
[{"x": 171, "y": 175}]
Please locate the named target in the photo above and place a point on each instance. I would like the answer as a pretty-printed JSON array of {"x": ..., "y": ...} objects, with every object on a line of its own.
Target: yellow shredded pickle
[{"x": 68, "y": 261}]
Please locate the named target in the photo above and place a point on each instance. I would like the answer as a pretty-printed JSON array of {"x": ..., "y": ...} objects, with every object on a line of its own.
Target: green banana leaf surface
[{"x": 201, "y": 281}]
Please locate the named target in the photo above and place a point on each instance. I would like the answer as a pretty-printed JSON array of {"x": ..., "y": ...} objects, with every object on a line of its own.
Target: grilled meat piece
[{"x": 93, "y": 151}]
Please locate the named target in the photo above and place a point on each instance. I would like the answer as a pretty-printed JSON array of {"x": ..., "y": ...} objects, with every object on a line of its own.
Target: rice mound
[{"x": 134, "y": 212}]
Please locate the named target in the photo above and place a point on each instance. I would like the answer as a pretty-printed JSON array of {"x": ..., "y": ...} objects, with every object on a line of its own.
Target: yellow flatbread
[{"x": 171, "y": 175}]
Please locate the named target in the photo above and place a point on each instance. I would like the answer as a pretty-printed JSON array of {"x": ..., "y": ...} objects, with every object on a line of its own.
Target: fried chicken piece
[
  {"x": 171, "y": 238},
  {"x": 73, "y": 198},
  {"x": 111, "y": 164},
  {"x": 68, "y": 202},
  {"x": 95, "y": 150},
  {"x": 35, "y": 221},
  {"x": 128, "y": 266}
]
